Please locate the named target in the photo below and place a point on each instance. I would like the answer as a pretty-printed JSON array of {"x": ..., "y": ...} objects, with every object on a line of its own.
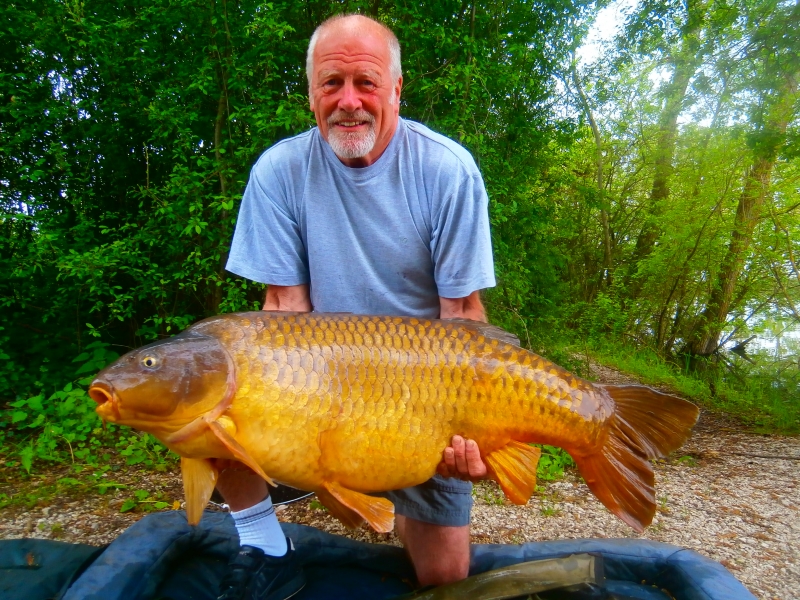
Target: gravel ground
[{"x": 729, "y": 495}]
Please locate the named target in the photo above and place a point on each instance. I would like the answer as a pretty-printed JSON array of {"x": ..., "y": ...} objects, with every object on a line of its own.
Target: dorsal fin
[{"x": 493, "y": 332}]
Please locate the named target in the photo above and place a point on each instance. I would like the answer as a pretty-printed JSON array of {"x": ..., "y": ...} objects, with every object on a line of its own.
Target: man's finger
[
  {"x": 475, "y": 463},
  {"x": 460, "y": 455},
  {"x": 449, "y": 461}
]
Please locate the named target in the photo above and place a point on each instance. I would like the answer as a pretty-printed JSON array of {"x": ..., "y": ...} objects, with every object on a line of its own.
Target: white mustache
[{"x": 359, "y": 115}]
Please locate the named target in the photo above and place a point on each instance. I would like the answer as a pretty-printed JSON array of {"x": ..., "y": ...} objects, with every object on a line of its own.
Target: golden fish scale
[{"x": 370, "y": 402}]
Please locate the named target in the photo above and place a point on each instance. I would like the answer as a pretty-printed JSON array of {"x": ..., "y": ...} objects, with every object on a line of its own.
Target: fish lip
[
  {"x": 107, "y": 400},
  {"x": 101, "y": 392}
]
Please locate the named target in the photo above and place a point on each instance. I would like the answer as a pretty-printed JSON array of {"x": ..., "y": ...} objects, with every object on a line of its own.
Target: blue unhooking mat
[{"x": 162, "y": 557}]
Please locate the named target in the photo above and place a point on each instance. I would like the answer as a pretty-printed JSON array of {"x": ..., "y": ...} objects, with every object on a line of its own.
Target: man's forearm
[
  {"x": 295, "y": 298},
  {"x": 469, "y": 307}
]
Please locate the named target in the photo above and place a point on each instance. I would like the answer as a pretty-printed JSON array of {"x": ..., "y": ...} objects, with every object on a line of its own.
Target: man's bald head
[{"x": 358, "y": 24}]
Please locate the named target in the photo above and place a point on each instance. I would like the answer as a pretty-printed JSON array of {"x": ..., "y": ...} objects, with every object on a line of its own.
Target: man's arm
[
  {"x": 295, "y": 298},
  {"x": 469, "y": 307},
  {"x": 462, "y": 458}
]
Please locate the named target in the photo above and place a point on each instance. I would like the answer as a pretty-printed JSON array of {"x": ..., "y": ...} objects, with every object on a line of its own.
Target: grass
[
  {"x": 56, "y": 483},
  {"x": 765, "y": 398},
  {"x": 489, "y": 493}
]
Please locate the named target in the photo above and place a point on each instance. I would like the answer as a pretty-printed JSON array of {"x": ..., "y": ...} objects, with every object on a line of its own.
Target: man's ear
[
  {"x": 397, "y": 89},
  {"x": 310, "y": 99}
]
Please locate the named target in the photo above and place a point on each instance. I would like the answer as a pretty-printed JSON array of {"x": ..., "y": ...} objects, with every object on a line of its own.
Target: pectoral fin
[
  {"x": 199, "y": 479},
  {"x": 351, "y": 507},
  {"x": 514, "y": 467},
  {"x": 219, "y": 428}
]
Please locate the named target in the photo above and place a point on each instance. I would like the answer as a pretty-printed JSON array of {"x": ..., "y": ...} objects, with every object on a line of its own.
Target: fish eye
[{"x": 150, "y": 362}]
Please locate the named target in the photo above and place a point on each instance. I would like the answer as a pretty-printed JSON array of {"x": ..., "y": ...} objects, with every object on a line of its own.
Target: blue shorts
[{"x": 440, "y": 501}]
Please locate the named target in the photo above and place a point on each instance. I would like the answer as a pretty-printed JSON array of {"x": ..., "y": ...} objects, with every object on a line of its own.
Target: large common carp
[{"x": 347, "y": 405}]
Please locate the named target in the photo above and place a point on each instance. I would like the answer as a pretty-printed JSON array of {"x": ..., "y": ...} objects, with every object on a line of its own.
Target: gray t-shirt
[{"x": 389, "y": 238}]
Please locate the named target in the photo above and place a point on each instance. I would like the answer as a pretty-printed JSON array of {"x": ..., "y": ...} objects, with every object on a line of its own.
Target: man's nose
[{"x": 349, "y": 101}]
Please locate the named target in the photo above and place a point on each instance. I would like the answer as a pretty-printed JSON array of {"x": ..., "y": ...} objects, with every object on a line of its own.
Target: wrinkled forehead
[{"x": 369, "y": 49}]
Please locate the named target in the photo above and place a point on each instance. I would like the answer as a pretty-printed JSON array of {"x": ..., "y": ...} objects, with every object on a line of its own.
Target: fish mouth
[{"x": 107, "y": 401}]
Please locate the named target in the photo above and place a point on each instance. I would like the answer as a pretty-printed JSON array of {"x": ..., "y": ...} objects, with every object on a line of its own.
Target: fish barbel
[{"x": 348, "y": 405}]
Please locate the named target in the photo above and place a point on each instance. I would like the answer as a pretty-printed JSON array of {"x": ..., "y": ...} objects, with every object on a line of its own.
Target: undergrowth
[
  {"x": 63, "y": 427},
  {"x": 754, "y": 392}
]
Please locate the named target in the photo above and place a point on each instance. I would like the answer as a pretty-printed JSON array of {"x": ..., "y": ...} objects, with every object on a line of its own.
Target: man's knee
[
  {"x": 440, "y": 554},
  {"x": 450, "y": 568}
]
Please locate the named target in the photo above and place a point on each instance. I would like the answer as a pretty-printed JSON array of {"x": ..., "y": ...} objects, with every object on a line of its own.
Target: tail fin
[{"x": 647, "y": 424}]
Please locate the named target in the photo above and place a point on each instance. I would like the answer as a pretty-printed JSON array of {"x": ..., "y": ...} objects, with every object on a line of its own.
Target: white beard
[{"x": 351, "y": 144}]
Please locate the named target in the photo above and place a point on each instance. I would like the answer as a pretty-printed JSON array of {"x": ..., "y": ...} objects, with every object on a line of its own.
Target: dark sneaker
[{"x": 252, "y": 575}]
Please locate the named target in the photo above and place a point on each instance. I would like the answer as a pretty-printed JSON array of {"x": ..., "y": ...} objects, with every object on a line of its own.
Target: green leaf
[
  {"x": 26, "y": 457},
  {"x": 35, "y": 403},
  {"x": 129, "y": 504},
  {"x": 18, "y": 416},
  {"x": 37, "y": 421},
  {"x": 102, "y": 488}
]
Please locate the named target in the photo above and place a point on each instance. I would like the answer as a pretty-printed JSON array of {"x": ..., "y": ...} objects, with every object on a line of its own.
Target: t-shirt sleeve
[
  {"x": 461, "y": 244},
  {"x": 267, "y": 244}
]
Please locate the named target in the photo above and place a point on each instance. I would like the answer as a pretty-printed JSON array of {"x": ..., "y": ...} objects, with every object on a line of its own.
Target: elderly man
[{"x": 366, "y": 213}]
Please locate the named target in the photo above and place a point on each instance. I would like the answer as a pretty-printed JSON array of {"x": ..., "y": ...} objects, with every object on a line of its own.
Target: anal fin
[
  {"x": 514, "y": 468},
  {"x": 199, "y": 478},
  {"x": 348, "y": 517},
  {"x": 351, "y": 507}
]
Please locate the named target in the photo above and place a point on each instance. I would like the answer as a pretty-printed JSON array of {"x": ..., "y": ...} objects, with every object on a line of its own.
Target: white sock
[{"x": 258, "y": 526}]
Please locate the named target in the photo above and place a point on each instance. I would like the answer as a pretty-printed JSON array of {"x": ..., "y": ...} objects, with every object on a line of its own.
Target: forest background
[{"x": 645, "y": 205}]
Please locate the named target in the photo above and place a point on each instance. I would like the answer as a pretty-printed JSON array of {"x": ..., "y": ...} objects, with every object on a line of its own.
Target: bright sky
[{"x": 608, "y": 23}]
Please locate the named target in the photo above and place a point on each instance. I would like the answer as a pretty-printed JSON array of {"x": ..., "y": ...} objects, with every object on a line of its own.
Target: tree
[
  {"x": 682, "y": 36},
  {"x": 129, "y": 131},
  {"x": 776, "y": 62}
]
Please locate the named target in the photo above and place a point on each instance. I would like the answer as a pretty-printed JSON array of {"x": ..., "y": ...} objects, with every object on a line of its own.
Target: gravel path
[{"x": 731, "y": 496}]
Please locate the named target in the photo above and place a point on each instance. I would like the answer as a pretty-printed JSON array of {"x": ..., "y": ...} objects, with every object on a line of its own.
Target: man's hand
[
  {"x": 295, "y": 298},
  {"x": 462, "y": 459}
]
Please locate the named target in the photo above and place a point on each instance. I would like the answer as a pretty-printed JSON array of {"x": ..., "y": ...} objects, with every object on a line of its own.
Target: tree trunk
[
  {"x": 687, "y": 58},
  {"x": 598, "y": 140},
  {"x": 220, "y": 124},
  {"x": 663, "y": 317},
  {"x": 704, "y": 339}
]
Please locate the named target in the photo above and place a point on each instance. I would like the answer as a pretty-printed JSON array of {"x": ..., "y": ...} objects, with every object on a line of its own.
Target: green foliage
[
  {"x": 142, "y": 500},
  {"x": 65, "y": 427},
  {"x": 552, "y": 463},
  {"x": 489, "y": 493},
  {"x": 317, "y": 505},
  {"x": 767, "y": 399},
  {"x": 548, "y": 509}
]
